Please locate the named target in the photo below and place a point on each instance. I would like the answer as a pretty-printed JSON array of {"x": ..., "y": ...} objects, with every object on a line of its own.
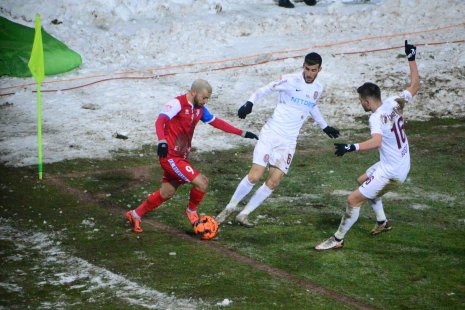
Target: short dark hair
[
  {"x": 369, "y": 89},
  {"x": 313, "y": 59}
]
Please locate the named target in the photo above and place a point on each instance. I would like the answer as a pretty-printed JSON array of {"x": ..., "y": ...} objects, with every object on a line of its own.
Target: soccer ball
[{"x": 206, "y": 227}]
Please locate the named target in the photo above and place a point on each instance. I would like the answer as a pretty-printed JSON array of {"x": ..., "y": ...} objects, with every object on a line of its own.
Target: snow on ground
[
  {"x": 123, "y": 35},
  {"x": 53, "y": 266}
]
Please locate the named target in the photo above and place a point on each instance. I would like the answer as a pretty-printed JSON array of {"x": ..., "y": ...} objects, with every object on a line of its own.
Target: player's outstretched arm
[
  {"x": 411, "y": 51},
  {"x": 246, "y": 108},
  {"x": 226, "y": 127},
  {"x": 373, "y": 143}
]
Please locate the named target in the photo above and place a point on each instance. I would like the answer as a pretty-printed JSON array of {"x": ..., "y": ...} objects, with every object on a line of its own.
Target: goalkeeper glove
[{"x": 341, "y": 149}]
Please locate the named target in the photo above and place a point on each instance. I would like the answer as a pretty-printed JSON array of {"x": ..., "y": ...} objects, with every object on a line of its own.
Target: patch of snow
[
  {"x": 341, "y": 192},
  {"x": 11, "y": 287},
  {"x": 226, "y": 302},
  {"x": 419, "y": 207},
  {"x": 61, "y": 268},
  {"x": 115, "y": 36},
  {"x": 88, "y": 223}
]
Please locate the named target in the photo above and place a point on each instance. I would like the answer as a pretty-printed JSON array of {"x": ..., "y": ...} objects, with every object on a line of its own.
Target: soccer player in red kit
[{"x": 175, "y": 127}]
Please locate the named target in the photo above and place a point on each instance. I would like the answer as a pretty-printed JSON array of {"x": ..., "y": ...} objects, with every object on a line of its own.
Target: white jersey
[
  {"x": 296, "y": 101},
  {"x": 394, "y": 151}
]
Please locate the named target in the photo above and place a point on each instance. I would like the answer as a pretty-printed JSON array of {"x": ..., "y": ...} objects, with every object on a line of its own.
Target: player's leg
[
  {"x": 246, "y": 185},
  {"x": 199, "y": 188},
  {"x": 261, "y": 194},
  {"x": 279, "y": 161},
  {"x": 165, "y": 192},
  {"x": 382, "y": 223},
  {"x": 244, "y": 188},
  {"x": 374, "y": 187},
  {"x": 261, "y": 156},
  {"x": 354, "y": 201},
  {"x": 274, "y": 178}
]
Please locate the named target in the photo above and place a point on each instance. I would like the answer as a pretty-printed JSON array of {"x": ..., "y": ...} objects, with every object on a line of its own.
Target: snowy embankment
[{"x": 115, "y": 36}]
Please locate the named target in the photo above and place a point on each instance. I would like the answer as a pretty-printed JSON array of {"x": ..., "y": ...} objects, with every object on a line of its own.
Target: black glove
[
  {"x": 331, "y": 132},
  {"x": 245, "y": 109},
  {"x": 341, "y": 149},
  {"x": 249, "y": 135},
  {"x": 410, "y": 51},
  {"x": 162, "y": 150}
]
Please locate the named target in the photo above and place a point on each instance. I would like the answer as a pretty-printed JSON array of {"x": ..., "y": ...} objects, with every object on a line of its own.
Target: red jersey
[{"x": 179, "y": 129}]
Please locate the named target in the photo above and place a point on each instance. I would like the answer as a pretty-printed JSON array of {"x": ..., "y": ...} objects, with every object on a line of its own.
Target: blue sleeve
[{"x": 207, "y": 117}]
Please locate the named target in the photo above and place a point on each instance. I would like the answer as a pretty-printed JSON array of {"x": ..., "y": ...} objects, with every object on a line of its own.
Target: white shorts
[
  {"x": 377, "y": 184},
  {"x": 274, "y": 151}
]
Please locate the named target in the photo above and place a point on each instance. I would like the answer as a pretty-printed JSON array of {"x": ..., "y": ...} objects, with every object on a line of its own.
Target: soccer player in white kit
[
  {"x": 298, "y": 97},
  {"x": 387, "y": 135}
]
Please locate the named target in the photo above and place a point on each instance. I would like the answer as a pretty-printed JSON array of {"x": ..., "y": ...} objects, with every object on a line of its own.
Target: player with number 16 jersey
[
  {"x": 388, "y": 121},
  {"x": 388, "y": 136}
]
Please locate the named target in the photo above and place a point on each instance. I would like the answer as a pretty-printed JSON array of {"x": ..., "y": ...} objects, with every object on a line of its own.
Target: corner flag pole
[{"x": 36, "y": 65}]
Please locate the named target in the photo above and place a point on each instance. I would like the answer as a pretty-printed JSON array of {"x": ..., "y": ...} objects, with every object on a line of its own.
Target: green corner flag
[{"x": 36, "y": 65}]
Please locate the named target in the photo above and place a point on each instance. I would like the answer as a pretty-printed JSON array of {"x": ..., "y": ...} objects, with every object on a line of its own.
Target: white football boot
[
  {"x": 244, "y": 221},
  {"x": 329, "y": 244},
  {"x": 220, "y": 218},
  {"x": 386, "y": 226}
]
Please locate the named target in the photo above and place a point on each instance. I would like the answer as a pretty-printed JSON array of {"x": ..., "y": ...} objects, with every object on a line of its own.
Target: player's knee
[
  {"x": 203, "y": 183},
  {"x": 272, "y": 183},
  {"x": 351, "y": 201},
  {"x": 167, "y": 193},
  {"x": 355, "y": 199},
  {"x": 254, "y": 179}
]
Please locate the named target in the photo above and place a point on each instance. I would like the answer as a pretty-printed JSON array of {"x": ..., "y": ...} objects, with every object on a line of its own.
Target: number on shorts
[
  {"x": 289, "y": 159},
  {"x": 189, "y": 169}
]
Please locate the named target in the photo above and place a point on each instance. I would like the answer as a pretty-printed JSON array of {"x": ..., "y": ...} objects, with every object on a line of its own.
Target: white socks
[
  {"x": 242, "y": 190},
  {"x": 260, "y": 195},
  {"x": 349, "y": 219},
  {"x": 377, "y": 206}
]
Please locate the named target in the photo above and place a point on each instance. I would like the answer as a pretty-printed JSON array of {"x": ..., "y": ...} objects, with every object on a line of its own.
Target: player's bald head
[{"x": 200, "y": 85}]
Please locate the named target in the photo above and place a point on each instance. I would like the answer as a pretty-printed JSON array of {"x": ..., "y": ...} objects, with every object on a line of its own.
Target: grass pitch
[{"x": 65, "y": 244}]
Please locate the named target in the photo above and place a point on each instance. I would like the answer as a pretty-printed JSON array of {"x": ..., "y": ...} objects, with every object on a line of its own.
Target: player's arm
[
  {"x": 411, "y": 51},
  {"x": 246, "y": 108},
  {"x": 371, "y": 144},
  {"x": 225, "y": 126},
  {"x": 160, "y": 124},
  {"x": 169, "y": 110},
  {"x": 318, "y": 118}
]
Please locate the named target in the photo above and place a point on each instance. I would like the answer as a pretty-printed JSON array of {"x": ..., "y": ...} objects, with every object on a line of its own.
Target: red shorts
[{"x": 177, "y": 169}]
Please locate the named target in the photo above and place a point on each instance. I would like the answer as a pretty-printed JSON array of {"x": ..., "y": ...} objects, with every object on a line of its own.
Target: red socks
[
  {"x": 152, "y": 202},
  {"x": 196, "y": 197},
  {"x": 155, "y": 200}
]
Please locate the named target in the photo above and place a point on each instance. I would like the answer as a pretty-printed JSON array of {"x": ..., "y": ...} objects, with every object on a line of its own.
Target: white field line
[{"x": 59, "y": 268}]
